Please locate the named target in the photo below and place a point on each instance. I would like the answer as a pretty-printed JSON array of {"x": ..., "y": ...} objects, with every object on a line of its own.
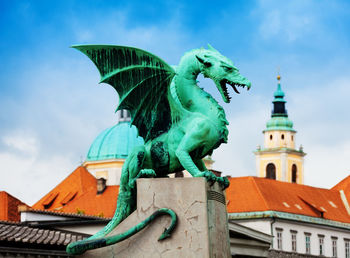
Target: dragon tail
[
  {"x": 125, "y": 206},
  {"x": 88, "y": 244},
  {"x": 126, "y": 203}
]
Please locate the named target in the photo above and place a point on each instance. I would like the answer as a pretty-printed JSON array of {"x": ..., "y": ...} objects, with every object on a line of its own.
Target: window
[
  {"x": 292, "y": 138},
  {"x": 334, "y": 247},
  {"x": 282, "y": 136},
  {"x": 294, "y": 240},
  {"x": 270, "y": 136},
  {"x": 321, "y": 244},
  {"x": 308, "y": 243},
  {"x": 294, "y": 173},
  {"x": 271, "y": 171},
  {"x": 347, "y": 248},
  {"x": 279, "y": 238}
]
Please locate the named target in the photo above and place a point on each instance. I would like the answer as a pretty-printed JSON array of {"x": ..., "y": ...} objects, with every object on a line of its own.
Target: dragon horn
[{"x": 211, "y": 48}]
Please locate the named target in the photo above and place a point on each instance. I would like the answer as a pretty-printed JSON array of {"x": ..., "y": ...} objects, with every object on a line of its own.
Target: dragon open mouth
[{"x": 233, "y": 85}]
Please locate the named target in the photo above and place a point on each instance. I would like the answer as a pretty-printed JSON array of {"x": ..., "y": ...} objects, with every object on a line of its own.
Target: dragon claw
[
  {"x": 212, "y": 178},
  {"x": 145, "y": 173}
]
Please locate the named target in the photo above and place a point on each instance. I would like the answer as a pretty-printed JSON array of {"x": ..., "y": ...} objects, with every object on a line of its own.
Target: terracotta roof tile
[
  {"x": 93, "y": 204},
  {"x": 345, "y": 186},
  {"x": 73, "y": 186},
  {"x": 9, "y": 207},
  {"x": 250, "y": 194}
]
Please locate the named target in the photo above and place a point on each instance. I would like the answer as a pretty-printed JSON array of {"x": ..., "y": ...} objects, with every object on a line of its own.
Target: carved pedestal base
[{"x": 201, "y": 230}]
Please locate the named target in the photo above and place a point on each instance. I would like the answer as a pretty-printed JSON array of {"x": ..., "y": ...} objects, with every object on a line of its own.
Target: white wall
[{"x": 264, "y": 225}]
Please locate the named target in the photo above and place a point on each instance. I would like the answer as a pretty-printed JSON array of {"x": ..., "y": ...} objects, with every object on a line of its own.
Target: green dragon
[{"x": 178, "y": 120}]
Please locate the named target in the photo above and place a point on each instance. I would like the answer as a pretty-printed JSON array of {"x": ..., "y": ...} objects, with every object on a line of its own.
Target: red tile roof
[
  {"x": 93, "y": 204},
  {"x": 9, "y": 207},
  {"x": 72, "y": 187},
  {"x": 77, "y": 193},
  {"x": 251, "y": 194},
  {"x": 345, "y": 186}
]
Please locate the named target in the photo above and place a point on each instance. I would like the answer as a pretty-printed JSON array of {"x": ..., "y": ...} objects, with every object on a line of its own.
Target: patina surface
[{"x": 179, "y": 121}]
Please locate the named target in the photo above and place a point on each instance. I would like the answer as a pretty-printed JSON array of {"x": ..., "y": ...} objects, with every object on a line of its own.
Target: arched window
[
  {"x": 294, "y": 173},
  {"x": 282, "y": 136},
  {"x": 271, "y": 171},
  {"x": 270, "y": 136}
]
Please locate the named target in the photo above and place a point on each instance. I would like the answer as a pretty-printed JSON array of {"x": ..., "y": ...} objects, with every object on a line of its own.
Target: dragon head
[{"x": 221, "y": 70}]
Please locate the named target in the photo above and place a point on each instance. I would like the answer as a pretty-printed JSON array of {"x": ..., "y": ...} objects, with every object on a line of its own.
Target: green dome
[
  {"x": 279, "y": 123},
  {"x": 115, "y": 142}
]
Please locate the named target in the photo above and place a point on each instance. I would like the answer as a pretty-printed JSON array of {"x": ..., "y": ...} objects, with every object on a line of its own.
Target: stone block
[{"x": 201, "y": 230}]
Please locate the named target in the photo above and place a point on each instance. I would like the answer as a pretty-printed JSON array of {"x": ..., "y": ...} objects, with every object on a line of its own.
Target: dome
[
  {"x": 279, "y": 123},
  {"x": 115, "y": 142}
]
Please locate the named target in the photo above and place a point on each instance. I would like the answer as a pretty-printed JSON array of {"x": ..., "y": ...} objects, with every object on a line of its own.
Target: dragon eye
[
  {"x": 207, "y": 64},
  {"x": 227, "y": 68}
]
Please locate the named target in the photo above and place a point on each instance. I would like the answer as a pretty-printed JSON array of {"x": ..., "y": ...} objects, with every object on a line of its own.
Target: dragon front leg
[{"x": 192, "y": 141}]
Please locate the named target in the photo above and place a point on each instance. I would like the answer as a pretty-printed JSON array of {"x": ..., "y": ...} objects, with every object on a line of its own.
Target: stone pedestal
[{"x": 201, "y": 230}]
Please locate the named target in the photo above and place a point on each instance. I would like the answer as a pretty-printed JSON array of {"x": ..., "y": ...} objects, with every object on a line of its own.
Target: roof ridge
[
  {"x": 68, "y": 214},
  {"x": 83, "y": 179},
  {"x": 260, "y": 193}
]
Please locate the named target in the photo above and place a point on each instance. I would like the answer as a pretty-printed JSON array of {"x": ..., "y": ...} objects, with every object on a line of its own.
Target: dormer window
[{"x": 101, "y": 185}]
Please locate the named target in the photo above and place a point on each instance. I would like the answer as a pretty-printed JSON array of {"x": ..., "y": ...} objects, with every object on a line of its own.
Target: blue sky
[{"x": 52, "y": 106}]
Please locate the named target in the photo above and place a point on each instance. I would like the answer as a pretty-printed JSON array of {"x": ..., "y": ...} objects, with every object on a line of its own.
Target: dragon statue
[{"x": 178, "y": 120}]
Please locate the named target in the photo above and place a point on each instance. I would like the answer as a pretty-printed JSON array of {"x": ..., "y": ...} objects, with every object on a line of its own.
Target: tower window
[
  {"x": 271, "y": 171},
  {"x": 282, "y": 136},
  {"x": 270, "y": 136},
  {"x": 292, "y": 138},
  {"x": 294, "y": 173}
]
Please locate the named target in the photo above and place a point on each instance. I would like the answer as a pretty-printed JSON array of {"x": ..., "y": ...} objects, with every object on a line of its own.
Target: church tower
[{"x": 279, "y": 159}]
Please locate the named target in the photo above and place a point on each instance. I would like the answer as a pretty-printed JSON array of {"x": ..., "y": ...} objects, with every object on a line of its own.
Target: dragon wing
[{"x": 142, "y": 81}]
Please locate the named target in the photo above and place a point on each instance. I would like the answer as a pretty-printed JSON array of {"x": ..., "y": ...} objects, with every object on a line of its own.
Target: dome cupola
[{"x": 117, "y": 141}]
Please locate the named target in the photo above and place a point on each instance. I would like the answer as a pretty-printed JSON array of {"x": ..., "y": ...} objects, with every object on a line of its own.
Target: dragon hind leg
[{"x": 126, "y": 203}]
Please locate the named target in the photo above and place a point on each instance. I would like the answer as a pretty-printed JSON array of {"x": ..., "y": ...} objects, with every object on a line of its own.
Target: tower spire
[{"x": 279, "y": 109}]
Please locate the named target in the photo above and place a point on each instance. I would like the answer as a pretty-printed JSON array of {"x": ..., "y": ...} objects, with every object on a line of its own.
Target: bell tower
[{"x": 279, "y": 159}]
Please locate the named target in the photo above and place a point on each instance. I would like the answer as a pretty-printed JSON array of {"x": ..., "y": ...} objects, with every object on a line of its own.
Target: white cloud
[
  {"x": 25, "y": 174},
  {"x": 287, "y": 21},
  {"x": 22, "y": 143}
]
